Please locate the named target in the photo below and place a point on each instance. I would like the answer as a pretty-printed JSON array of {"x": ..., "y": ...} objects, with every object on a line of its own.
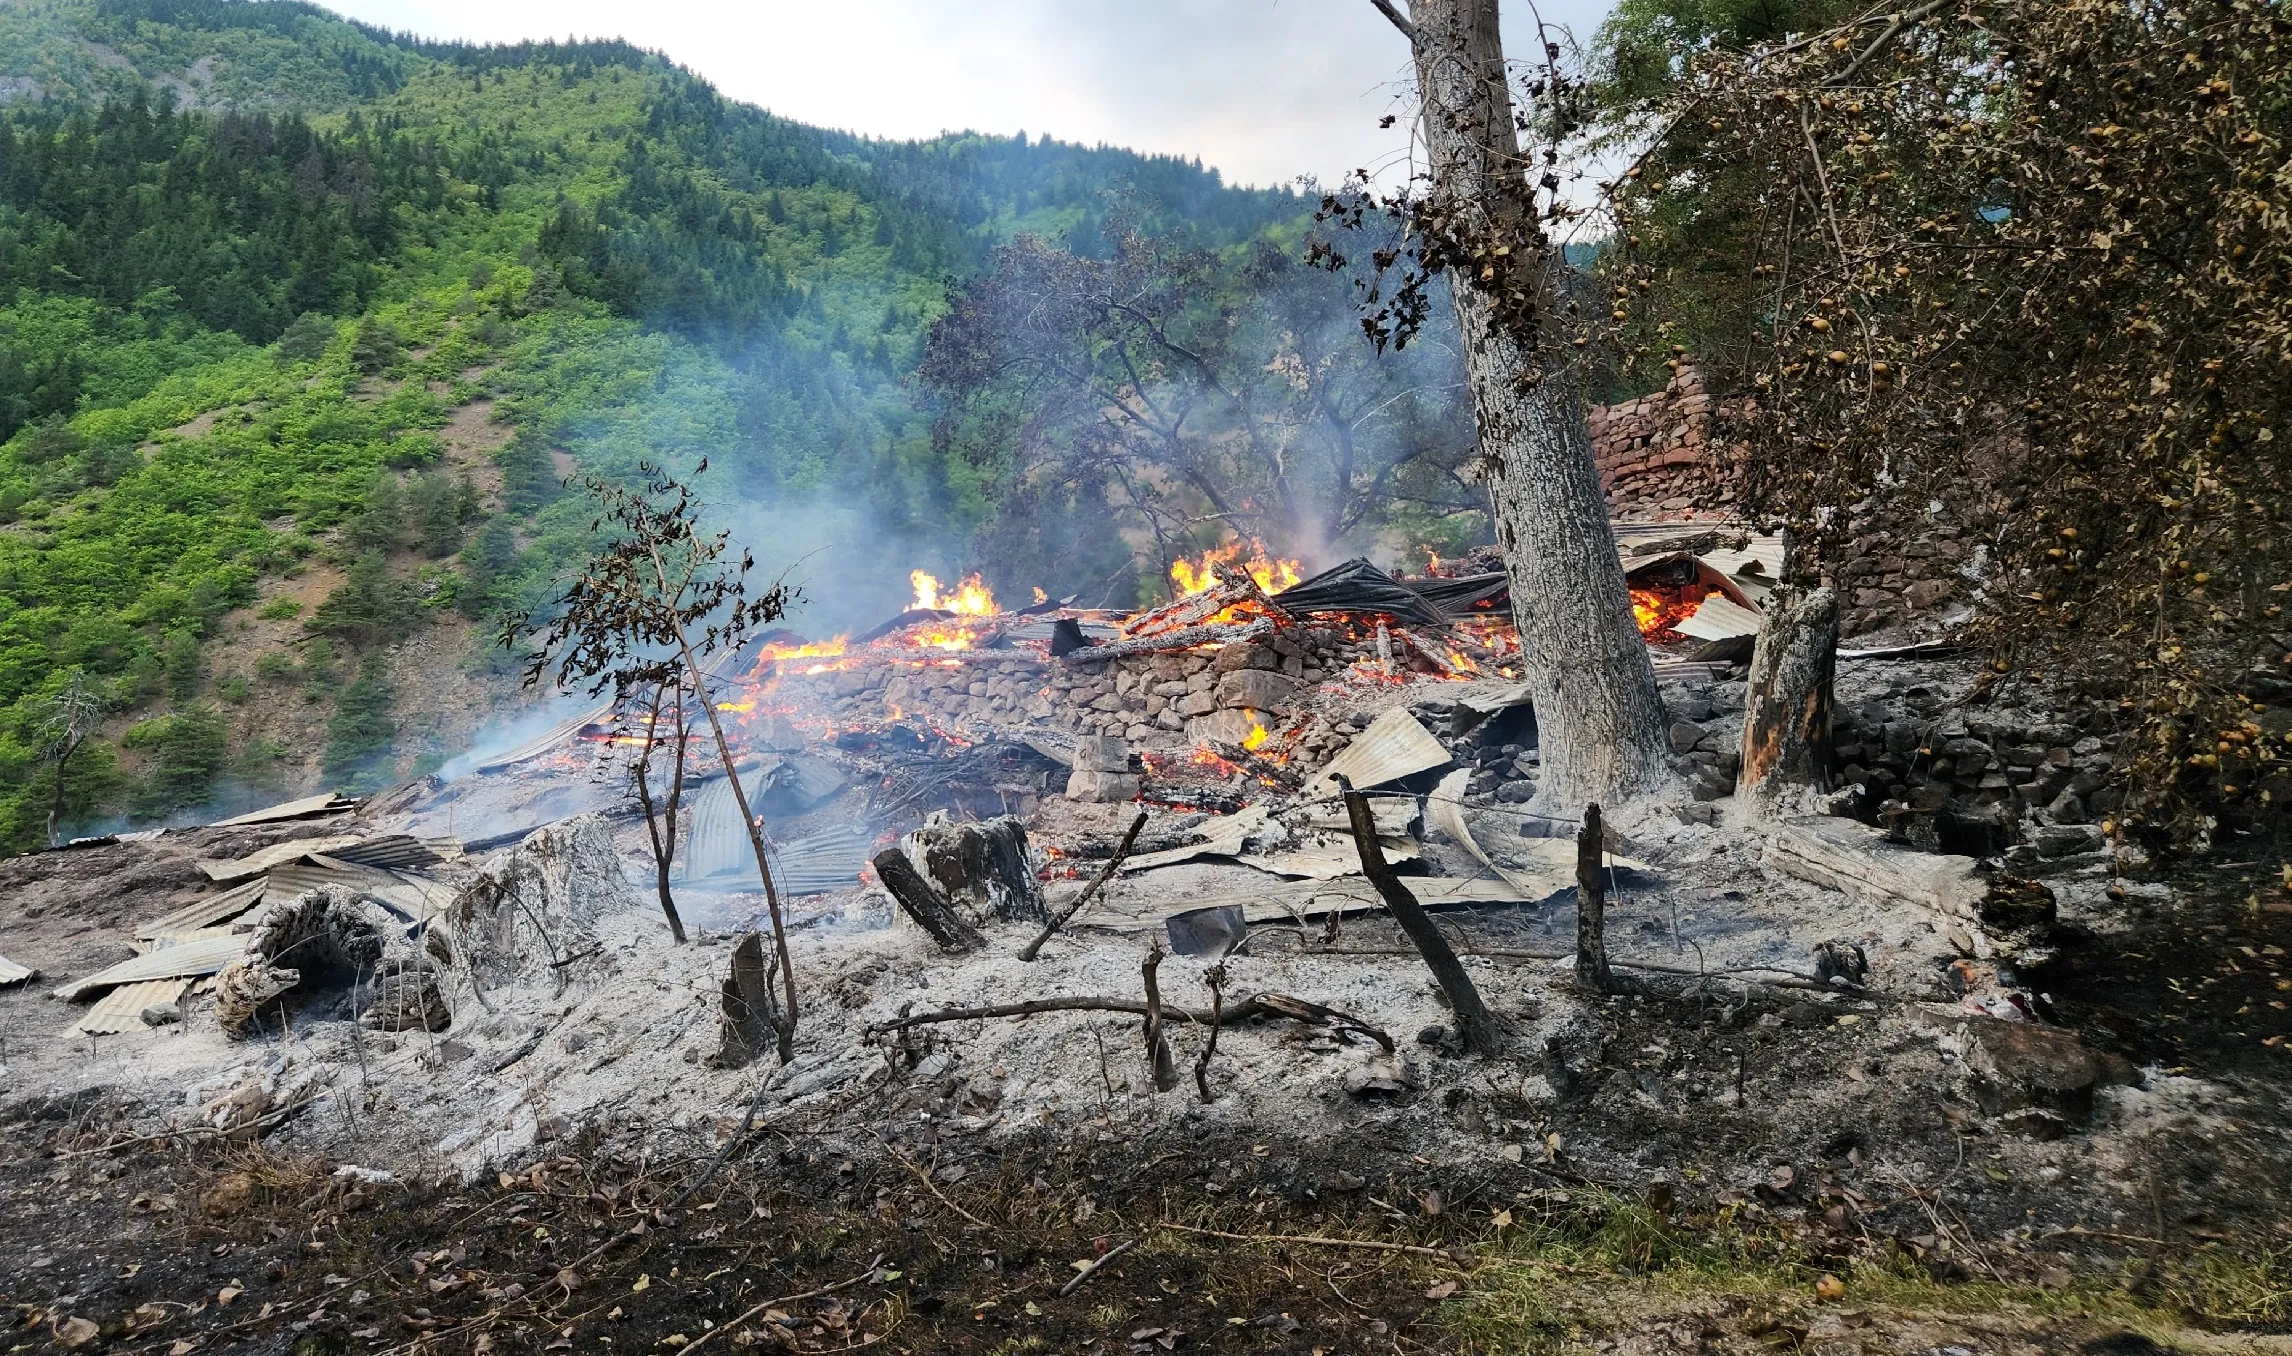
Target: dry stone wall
[
  {"x": 1658, "y": 456},
  {"x": 1664, "y": 457}
]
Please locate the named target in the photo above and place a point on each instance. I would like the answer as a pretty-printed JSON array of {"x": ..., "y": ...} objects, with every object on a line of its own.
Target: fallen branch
[
  {"x": 269, "y": 1120},
  {"x": 1473, "y": 1022},
  {"x": 1260, "y": 1005},
  {"x": 1113, "y": 864},
  {"x": 1792, "y": 979},
  {"x": 1159, "y": 1064},
  {"x": 1092, "y": 1270},
  {"x": 1215, "y": 977},
  {"x": 1315, "y": 1240},
  {"x": 1299, "y": 1010},
  {"x": 929, "y": 1185},
  {"x": 868, "y": 1274}
]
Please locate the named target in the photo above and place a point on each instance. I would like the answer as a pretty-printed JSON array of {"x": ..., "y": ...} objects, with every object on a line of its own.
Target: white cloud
[{"x": 1264, "y": 90}]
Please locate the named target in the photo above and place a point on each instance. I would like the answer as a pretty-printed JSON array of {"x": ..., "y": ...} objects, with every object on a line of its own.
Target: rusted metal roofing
[
  {"x": 189, "y": 960},
  {"x": 122, "y": 1008},
  {"x": 1719, "y": 617},
  {"x": 415, "y": 896},
  {"x": 548, "y": 739},
  {"x": 396, "y": 851}
]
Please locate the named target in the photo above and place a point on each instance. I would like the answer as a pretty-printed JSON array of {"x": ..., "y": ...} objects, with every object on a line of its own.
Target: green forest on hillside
[{"x": 344, "y": 236}]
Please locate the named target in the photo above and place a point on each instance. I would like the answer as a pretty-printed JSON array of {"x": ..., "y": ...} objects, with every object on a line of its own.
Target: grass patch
[{"x": 1600, "y": 1265}]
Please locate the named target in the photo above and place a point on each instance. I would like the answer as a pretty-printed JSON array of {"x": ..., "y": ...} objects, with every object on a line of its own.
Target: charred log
[
  {"x": 749, "y": 1024},
  {"x": 981, "y": 868},
  {"x": 923, "y": 904}
]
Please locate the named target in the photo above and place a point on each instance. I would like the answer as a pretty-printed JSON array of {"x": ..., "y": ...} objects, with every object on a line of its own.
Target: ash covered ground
[{"x": 2082, "y": 1102}]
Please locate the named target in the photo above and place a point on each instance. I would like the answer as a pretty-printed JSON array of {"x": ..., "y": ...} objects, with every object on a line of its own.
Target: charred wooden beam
[
  {"x": 920, "y": 902},
  {"x": 1221, "y": 634}
]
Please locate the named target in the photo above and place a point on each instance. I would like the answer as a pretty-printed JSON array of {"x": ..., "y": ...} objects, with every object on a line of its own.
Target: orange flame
[
  {"x": 1658, "y": 610},
  {"x": 781, "y": 655},
  {"x": 1257, "y": 735},
  {"x": 1272, "y": 575},
  {"x": 970, "y": 598}
]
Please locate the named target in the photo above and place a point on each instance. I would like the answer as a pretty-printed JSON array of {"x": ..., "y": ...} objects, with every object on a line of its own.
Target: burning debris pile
[{"x": 1251, "y": 664}]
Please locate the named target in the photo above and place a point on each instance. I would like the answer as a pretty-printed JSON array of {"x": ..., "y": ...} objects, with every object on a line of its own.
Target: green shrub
[
  {"x": 281, "y": 608},
  {"x": 374, "y": 347},
  {"x": 359, "y": 738},
  {"x": 306, "y": 339},
  {"x": 186, "y": 750}
]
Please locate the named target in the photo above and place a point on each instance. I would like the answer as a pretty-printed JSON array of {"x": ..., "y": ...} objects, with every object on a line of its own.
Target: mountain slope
[{"x": 289, "y": 381}]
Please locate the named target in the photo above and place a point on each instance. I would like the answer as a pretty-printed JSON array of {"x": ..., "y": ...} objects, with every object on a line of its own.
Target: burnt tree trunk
[
  {"x": 747, "y": 1021},
  {"x": 983, "y": 867},
  {"x": 1581, "y": 651},
  {"x": 925, "y": 905},
  {"x": 661, "y": 815},
  {"x": 1787, "y": 701},
  {"x": 1592, "y": 905}
]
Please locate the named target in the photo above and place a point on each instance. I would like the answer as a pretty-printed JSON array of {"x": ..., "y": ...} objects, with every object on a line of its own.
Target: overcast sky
[{"x": 1264, "y": 90}]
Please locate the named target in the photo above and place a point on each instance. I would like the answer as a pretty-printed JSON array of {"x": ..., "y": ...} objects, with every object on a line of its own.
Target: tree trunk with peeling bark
[
  {"x": 1787, "y": 701},
  {"x": 1581, "y": 651}
]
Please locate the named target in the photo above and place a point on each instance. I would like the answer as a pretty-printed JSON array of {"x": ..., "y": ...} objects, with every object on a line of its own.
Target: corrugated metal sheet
[
  {"x": 122, "y": 1008},
  {"x": 548, "y": 739},
  {"x": 396, "y": 851},
  {"x": 256, "y": 863},
  {"x": 205, "y": 912},
  {"x": 1536, "y": 867},
  {"x": 415, "y": 896},
  {"x": 1719, "y": 617},
  {"x": 189, "y": 960},
  {"x": 826, "y": 861},
  {"x": 1395, "y": 745},
  {"x": 1760, "y": 556},
  {"x": 802, "y": 783},
  {"x": 718, "y": 844},
  {"x": 12, "y": 973},
  {"x": 324, "y": 803},
  {"x": 1221, "y": 837},
  {"x": 1327, "y": 858}
]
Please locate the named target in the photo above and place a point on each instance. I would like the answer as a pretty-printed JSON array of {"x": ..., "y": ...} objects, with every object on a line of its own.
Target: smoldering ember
[{"x": 1725, "y": 869}]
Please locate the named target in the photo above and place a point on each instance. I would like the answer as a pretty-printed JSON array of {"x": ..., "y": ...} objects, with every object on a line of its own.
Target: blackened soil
[{"x": 2205, "y": 986}]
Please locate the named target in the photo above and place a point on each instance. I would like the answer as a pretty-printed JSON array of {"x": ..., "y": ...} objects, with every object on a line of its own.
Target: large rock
[
  {"x": 1101, "y": 753},
  {"x": 1224, "y": 727},
  {"x": 1255, "y": 690},
  {"x": 1092, "y": 785},
  {"x": 2039, "y": 1079}
]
